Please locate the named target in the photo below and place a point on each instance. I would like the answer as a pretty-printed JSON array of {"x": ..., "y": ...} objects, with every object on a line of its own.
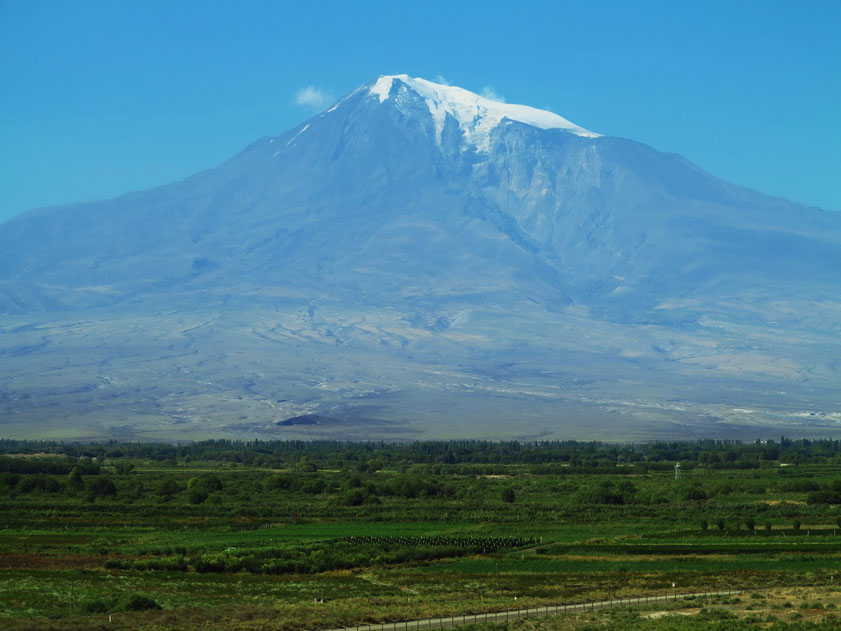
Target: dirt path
[{"x": 501, "y": 616}]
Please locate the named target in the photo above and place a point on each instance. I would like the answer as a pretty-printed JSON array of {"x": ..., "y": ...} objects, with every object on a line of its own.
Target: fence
[{"x": 503, "y": 616}]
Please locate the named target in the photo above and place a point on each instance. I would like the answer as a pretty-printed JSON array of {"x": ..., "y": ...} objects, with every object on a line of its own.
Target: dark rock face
[{"x": 380, "y": 262}]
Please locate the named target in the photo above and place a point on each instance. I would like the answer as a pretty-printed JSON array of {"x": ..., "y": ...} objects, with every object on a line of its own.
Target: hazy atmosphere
[
  {"x": 383, "y": 224},
  {"x": 388, "y": 316}
]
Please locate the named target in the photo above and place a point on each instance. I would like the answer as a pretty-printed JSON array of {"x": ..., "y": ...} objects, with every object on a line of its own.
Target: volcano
[{"x": 418, "y": 261}]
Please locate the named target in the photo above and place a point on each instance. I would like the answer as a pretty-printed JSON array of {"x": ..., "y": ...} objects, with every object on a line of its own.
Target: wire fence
[{"x": 446, "y": 622}]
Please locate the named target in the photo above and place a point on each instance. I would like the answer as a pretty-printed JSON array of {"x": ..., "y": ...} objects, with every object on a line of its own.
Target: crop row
[
  {"x": 334, "y": 554},
  {"x": 687, "y": 548}
]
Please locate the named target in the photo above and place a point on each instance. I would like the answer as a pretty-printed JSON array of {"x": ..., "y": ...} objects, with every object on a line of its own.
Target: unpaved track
[{"x": 502, "y": 616}]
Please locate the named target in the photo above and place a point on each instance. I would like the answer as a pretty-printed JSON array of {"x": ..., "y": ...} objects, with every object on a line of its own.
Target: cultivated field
[{"x": 294, "y": 535}]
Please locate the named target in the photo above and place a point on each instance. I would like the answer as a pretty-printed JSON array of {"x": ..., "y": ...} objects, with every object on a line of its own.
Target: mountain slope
[{"x": 490, "y": 255}]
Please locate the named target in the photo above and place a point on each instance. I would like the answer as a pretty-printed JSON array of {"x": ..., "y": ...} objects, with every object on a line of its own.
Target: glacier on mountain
[{"x": 476, "y": 115}]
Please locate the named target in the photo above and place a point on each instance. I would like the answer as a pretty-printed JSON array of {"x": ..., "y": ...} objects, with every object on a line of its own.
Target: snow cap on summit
[{"x": 475, "y": 114}]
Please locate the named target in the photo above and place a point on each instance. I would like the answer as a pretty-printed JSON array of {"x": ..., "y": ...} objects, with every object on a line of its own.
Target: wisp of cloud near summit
[{"x": 313, "y": 97}]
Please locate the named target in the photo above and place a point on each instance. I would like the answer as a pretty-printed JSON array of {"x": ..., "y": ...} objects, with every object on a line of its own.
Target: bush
[
  {"x": 695, "y": 494},
  {"x": 825, "y": 496},
  {"x": 99, "y": 605},
  {"x": 123, "y": 468},
  {"x": 354, "y": 498},
  {"x": 102, "y": 486},
  {"x": 315, "y": 486},
  {"x": 38, "y": 482},
  {"x": 136, "y": 602},
  {"x": 74, "y": 478},
  {"x": 168, "y": 487},
  {"x": 281, "y": 482},
  {"x": 126, "y": 602},
  {"x": 197, "y": 495}
]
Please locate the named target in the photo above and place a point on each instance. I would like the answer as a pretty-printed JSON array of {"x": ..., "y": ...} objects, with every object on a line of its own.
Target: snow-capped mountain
[
  {"x": 475, "y": 116},
  {"x": 420, "y": 260}
]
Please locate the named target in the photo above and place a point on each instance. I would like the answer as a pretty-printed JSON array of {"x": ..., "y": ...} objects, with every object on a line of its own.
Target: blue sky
[{"x": 100, "y": 97}]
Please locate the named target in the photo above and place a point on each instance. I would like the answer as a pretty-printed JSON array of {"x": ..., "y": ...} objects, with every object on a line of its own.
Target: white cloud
[
  {"x": 441, "y": 79},
  {"x": 313, "y": 97},
  {"x": 489, "y": 92}
]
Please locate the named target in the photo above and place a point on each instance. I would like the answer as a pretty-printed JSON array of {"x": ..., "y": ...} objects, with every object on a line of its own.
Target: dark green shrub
[
  {"x": 197, "y": 495},
  {"x": 99, "y": 605},
  {"x": 135, "y": 602},
  {"x": 74, "y": 478},
  {"x": 695, "y": 494},
  {"x": 102, "y": 487},
  {"x": 168, "y": 487},
  {"x": 38, "y": 482},
  {"x": 354, "y": 498}
]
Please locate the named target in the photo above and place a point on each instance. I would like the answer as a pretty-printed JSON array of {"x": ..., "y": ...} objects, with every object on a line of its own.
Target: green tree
[
  {"x": 101, "y": 486},
  {"x": 124, "y": 468},
  {"x": 167, "y": 488},
  {"x": 305, "y": 465},
  {"x": 695, "y": 493},
  {"x": 197, "y": 494},
  {"x": 74, "y": 479},
  {"x": 508, "y": 495},
  {"x": 354, "y": 497}
]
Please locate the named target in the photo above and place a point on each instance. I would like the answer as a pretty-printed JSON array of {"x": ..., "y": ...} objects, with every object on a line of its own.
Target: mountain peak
[{"x": 476, "y": 115}]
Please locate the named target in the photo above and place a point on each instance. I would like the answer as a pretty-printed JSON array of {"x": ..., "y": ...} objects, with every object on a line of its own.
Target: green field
[{"x": 318, "y": 535}]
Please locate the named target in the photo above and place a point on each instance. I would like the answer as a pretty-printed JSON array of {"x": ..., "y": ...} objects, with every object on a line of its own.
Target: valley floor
[{"x": 305, "y": 536}]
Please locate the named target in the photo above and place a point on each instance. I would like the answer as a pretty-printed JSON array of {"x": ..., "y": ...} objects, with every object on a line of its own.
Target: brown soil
[{"x": 40, "y": 562}]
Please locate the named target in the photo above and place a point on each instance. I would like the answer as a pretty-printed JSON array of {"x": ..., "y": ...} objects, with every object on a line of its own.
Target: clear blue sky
[{"x": 98, "y": 98}]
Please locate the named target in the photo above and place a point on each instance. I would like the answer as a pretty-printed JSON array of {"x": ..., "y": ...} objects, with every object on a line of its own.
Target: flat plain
[{"x": 298, "y": 535}]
